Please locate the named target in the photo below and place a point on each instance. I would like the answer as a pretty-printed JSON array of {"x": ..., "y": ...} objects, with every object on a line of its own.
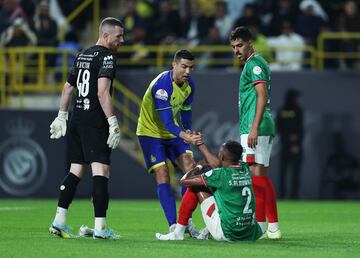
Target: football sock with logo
[
  {"x": 270, "y": 201},
  {"x": 259, "y": 191},
  {"x": 100, "y": 195},
  {"x": 167, "y": 201},
  {"x": 187, "y": 206},
  {"x": 67, "y": 190}
]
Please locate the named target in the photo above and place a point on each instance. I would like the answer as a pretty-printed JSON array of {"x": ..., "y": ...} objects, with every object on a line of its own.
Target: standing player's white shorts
[
  {"x": 210, "y": 213},
  {"x": 261, "y": 153}
]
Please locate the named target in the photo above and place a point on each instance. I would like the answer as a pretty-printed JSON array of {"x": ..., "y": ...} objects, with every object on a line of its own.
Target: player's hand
[
  {"x": 189, "y": 132},
  {"x": 58, "y": 126},
  {"x": 253, "y": 138},
  {"x": 114, "y": 132}
]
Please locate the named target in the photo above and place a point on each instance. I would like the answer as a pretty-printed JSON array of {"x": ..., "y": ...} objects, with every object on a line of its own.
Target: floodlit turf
[{"x": 310, "y": 229}]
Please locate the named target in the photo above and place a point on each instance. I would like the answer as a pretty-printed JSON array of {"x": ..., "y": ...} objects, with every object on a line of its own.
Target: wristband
[{"x": 199, "y": 166}]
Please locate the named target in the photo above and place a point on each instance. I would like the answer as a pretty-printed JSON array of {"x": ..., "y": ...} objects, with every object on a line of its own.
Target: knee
[{"x": 162, "y": 175}]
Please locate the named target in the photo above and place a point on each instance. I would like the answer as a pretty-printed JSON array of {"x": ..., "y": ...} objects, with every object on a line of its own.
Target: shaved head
[{"x": 108, "y": 26}]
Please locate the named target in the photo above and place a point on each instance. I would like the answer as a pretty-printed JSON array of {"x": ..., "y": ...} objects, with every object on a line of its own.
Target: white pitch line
[{"x": 15, "y": 208}]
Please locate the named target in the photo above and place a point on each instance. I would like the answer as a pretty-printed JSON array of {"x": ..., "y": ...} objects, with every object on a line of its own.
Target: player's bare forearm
[
  {"x": 65, "y": 97},
  {"x": 192, "y": 181},
  {"x": 212, "y": 159},
  {"x": 105, "y": 97},
  {"x": 261, "y": 102}
]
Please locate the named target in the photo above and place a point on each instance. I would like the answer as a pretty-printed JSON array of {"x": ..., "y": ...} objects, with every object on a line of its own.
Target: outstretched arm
[{"x": 212, "y": 159}]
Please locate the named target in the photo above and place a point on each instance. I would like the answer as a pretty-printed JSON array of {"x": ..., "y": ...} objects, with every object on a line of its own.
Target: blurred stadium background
[{"x": 312, "y": 47}]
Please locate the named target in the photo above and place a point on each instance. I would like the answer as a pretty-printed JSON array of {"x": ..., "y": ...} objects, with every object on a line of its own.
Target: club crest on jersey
[
  {"x": 257, "y": 70},
  {"x": 161, "y": 94}
]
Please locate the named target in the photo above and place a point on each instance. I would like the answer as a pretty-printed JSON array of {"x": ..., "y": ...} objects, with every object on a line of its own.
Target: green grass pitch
[{"x": 310, "y": 229}]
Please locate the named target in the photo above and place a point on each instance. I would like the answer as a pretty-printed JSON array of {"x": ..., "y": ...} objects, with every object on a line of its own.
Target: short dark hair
[
  {"x": 183, "y": 54},
  {"x": 111, "y": 22},
  {"x": 241, "y": 33},
  {"x": 233, "y": 150}
]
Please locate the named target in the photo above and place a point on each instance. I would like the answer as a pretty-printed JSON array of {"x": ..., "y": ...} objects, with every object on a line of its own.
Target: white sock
[
  {"x": 60, "y": 217},
  {"x": 262, "y": 226},
  {"x": 180, "y": 229},
  {"x": 273, "y": 227},
  {"x": 100, "y": 224}
]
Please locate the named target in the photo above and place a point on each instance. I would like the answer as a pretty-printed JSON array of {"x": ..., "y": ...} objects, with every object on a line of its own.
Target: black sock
[
  {"x": 67, "y": 190},
  {"x": 100, "y": 196}
]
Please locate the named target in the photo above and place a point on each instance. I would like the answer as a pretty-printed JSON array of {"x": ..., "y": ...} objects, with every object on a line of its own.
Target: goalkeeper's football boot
[
  {"x": 61, "y": 231},
  {"x": 85, "y": 231},
  {"x": 191, "y": 230},
  {"x": 105, "y": 234},
  {"x": 170, "y": 236},
  {"x": 273, "y": 235}
]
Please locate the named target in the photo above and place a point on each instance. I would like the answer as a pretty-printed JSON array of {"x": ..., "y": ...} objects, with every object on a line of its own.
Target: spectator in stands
[
  {"x": 249, "y": 17},
  {"x": 284, "y": 10},
  {"x": 207, "y": 59},
  {"x": 70, "y": 44},
  {"x": 285, "y": 57},
  {"x": 349, "y": 21},
  {"x": 222, "y": 21},
  {"x": 45, "y": 27},
  {"x": 18, "y": 34},
  {"x": 259, "y": 41},
  {"x": 165, "y": 25},
  {"x": 131, "y": 19},
  {"x": 309, "y": 22},
  {"x": 236, "y": 7},
  {"x": 195, "y": 26},
  {"x": 10, "y": 10}
]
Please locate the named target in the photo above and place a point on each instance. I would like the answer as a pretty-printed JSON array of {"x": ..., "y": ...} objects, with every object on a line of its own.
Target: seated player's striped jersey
[{"x": 163, "y": 93}]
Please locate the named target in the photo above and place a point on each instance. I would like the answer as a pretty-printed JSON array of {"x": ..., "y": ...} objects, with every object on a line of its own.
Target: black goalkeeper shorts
[{"x": 88, "y": 144}]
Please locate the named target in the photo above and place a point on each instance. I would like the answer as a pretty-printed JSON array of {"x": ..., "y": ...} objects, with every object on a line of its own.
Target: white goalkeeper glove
[
  {"x": 58, "y": 126},
  {"x": 114, "y": 132}
]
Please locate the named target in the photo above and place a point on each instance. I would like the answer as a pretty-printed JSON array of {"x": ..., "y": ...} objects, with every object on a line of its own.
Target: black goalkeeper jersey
[{"x": 90, "y": 65}]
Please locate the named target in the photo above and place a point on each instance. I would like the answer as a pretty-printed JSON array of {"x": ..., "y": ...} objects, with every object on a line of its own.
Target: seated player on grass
[{"x": 229, "y": 211}]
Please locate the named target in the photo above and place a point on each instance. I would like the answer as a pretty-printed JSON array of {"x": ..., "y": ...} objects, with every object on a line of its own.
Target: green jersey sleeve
[
  {"x": 257, "y": 72},
  {"x": 212, "y": 178}
]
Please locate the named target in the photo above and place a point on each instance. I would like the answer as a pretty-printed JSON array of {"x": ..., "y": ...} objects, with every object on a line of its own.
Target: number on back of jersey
[{"x": 83, "y": 82}]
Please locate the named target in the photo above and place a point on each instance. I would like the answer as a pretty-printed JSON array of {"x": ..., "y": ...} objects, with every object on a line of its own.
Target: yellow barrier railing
[
  {"x": 32, "y": 70},
  {"x": 77, "y": 11},
  {"x": 322, "y": 54},
  {"x": 207, "y": 55},
  {"x": 128, "y": 104}
]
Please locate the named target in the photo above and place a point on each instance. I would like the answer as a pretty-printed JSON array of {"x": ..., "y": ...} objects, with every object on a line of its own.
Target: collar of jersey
[{"x": 250, "y": 56}]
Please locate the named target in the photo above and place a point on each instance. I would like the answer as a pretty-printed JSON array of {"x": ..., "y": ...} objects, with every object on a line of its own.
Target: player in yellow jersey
[{"x": 161, "y": 137}]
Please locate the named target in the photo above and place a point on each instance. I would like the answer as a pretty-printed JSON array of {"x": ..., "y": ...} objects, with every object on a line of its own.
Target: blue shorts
[{"x": 156, "y": 150}]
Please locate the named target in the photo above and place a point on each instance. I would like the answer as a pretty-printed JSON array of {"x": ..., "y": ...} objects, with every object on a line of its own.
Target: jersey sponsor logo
[
  {"x": 106, "y": 58},
  {"x": 86, "y": 104},
  {"x": 257, "y": 70},
  {"x": 161, "y": 94},
  {"x": 108, "y": 62}
]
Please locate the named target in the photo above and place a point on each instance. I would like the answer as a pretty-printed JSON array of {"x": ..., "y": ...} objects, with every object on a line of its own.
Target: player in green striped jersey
[
  {"x": 257, "y": 127},
  {"x": 229, "y": 211}
]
